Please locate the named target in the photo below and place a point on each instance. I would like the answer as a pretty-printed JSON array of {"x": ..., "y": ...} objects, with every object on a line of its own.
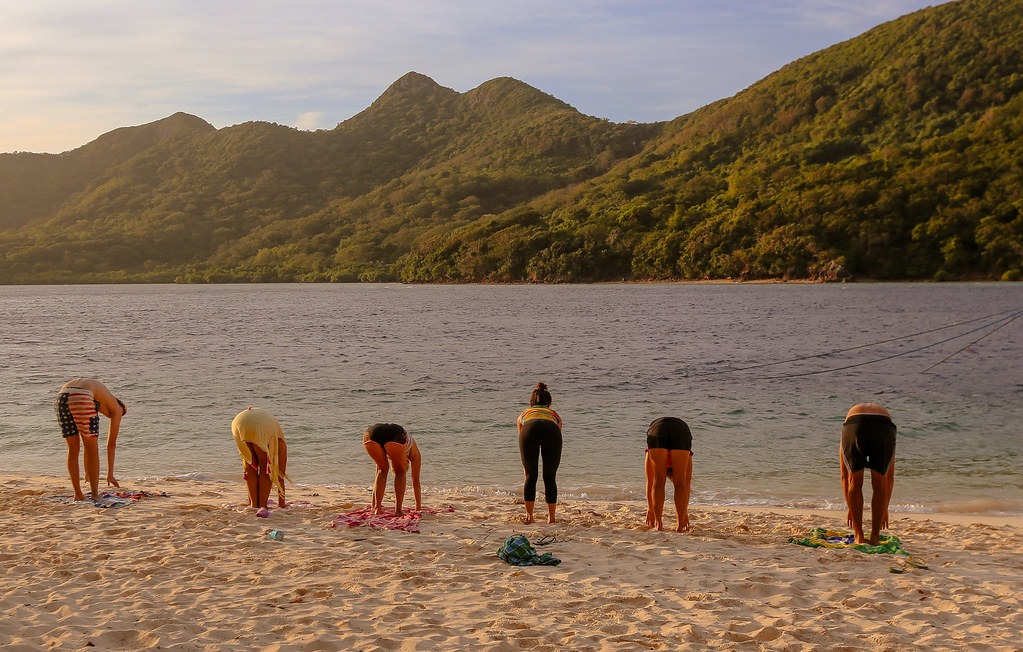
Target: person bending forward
[
  {"x": 79, "y": 404},
  {"x": 868, "y": 442},
  {"x": 264, "y": 452},
  {"x": 390, "y": 445},
  {"x": 669, "y": 453},
  {"x": 540, "y": 436}
]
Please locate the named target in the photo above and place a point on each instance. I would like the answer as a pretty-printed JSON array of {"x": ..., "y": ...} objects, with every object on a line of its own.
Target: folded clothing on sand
[{"x": 517, "y": 551}]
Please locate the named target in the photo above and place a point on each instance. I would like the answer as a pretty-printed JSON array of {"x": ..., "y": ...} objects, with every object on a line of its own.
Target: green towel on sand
[{"x": 825, "y": 538}]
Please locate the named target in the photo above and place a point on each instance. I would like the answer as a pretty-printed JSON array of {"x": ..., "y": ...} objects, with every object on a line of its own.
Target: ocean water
[{"x": 763, "y": 374}]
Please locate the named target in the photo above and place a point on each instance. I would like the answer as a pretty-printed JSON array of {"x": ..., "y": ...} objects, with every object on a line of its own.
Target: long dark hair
[{"x": 540, "y": 396}]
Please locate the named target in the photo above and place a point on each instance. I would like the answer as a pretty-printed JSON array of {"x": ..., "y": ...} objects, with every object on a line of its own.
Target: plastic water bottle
[{"x": 276, "y": 535}]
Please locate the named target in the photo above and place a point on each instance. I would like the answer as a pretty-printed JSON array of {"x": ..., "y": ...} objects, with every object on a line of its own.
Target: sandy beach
[{"x": 196, "y": 570}]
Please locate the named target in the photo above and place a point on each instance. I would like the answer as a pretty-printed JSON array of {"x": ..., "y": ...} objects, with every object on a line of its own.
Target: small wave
[
  {"x": 985, "y": 506},
  {"x": 605, "y": 493},
  {"x": 906, "y": 508},
  {"x": 479, "y": 490},
  {"x": 770, "y": 503},
  {"x": 195, "y": 477}
]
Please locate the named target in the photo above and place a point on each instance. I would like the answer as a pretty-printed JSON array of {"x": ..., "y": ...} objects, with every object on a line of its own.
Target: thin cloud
[{"x": 72, "y": 72}]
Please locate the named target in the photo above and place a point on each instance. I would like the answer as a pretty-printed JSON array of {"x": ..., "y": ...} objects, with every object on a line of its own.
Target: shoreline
[
  {"x": 228, "y": 484},
  {"x": 195, "y": 569}
]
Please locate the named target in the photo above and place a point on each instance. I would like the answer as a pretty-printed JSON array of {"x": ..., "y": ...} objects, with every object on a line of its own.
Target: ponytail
[{"x": 540, "y": 396}]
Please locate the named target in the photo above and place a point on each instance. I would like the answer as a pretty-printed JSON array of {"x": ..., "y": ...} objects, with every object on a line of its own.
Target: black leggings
[{"x": 540, "y": 437}]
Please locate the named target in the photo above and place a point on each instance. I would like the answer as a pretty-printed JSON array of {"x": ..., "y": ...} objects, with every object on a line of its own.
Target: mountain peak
[
  {"x": 126, "y": 141},
  {"x": 413, "y": 85},
  {"x": 509, "y": 96}
]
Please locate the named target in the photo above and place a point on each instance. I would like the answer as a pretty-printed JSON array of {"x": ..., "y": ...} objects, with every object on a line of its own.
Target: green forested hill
[
  {"x": 895, "y": 155},
  {"x": 260, "y": 201}
]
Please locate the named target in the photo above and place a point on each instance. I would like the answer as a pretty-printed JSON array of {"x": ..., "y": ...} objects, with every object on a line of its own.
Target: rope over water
[{"x": 1004, "y": 318}]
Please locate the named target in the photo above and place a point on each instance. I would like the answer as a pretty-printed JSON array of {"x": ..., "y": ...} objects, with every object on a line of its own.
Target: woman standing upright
[{"x": 540, "y": 436}]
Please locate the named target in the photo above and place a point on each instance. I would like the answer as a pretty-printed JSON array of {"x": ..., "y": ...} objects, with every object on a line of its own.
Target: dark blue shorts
[
  {"x": 671, "y": 433},
  {"x": 868, "y": 442}
]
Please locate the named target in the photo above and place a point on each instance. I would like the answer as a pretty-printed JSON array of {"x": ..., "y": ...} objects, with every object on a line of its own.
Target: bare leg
[
  {"x": 398, "y": 454},
  {"x": 853, "y": 488},
  {"x": 529, "y": 511},
  {"x": 251, "y": 474},
  {"x": 649, "y": 474},
  {"x": 74, "y": 472},
  {"x": 379, "y": 488},
  {"x": 416, "y": 464},
  {"x": 90, "y": 446},
  {"x": 878, "y": 506},
  {"x": 400, "y": 482},
  {"x": 251, "y": 483},
  {"x": 551, "y": 508},
  {"x": 889, "y": 490},
  {"x": 380, "y": 479},
  {"x": 659, "y": 459},
  {"x": 282, "y": 463},
  {"x": 681, "y": 478},
  {"x": 263, "y": 485}
]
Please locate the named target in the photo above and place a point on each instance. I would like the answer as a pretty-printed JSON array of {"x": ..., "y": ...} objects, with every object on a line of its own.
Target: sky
[{"x": 72, "y": 71}]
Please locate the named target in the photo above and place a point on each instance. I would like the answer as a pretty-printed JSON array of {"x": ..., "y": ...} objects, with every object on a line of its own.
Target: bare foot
[
  {"x": 552, "y": 520},
  {"x": 528, "y": 519}
]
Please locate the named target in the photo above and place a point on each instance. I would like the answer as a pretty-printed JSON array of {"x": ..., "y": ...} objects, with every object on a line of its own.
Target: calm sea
[{"x": 762, "y": 373}]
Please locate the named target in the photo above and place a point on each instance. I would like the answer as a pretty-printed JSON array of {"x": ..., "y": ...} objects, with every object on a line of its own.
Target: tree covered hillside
[
  {"x": 894, "y": 155},
  {"x": 259, "y": 201}
]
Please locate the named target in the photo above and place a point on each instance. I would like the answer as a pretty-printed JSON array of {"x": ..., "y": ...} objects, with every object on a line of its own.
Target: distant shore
[{"x": 727, "y": 281}]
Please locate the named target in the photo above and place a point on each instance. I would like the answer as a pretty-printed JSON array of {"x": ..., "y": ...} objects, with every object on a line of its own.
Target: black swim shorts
[
  {"x": 671, "y": 433},
  {"x": 868, "y": 442},
  {"x": 386, "y": 433}
]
